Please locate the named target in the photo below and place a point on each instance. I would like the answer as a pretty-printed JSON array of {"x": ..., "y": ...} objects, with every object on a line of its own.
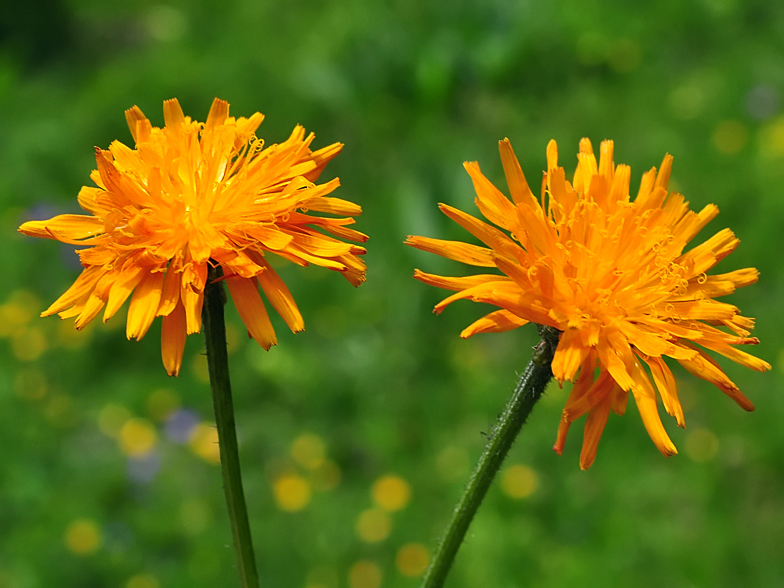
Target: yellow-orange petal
[
  {"x": 518, "y": 186},
  {"x": 120, "y": 289},
  {"x": 594, "y": 427},
  {"x": 173, "y": 335},
  {"x": 569, "y": 355},
  {"x": 665, "y": 384},
  {"x": 498, "y": 321},
  {"x": 170, "y": 294},
  {"x": 490, "y": 201},
  {"x": 245, "y": 294},
  {"x": 457, "y": 283},
  {"x": 703, "y": 366},
  {"x": 489, "y": 235},
  {"x": 193, "y": 300},
  {"x": 72, "y": 227},
  {"x": 144, "y": 305},
  {"x": 645, "y": 397},
  {"x": 279, "y": 296},
  {"x": 457, "y": 250}
]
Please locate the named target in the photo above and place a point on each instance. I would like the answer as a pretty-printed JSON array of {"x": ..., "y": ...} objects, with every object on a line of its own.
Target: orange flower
[
  {"x": 609, "y": 273},
  {"x": 192, "y": 194}
]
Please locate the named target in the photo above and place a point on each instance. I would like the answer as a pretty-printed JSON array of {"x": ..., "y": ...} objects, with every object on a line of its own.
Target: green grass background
[{"x": 413, "y": 89}]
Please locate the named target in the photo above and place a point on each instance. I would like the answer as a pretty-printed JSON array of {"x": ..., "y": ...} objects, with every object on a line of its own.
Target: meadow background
[{"x": 358, "y": 434}]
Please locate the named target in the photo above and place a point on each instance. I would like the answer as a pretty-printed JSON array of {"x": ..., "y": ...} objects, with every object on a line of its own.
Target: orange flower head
[
  {"x": 196, "y": 194},
  {"x": 611, "y": 274}
]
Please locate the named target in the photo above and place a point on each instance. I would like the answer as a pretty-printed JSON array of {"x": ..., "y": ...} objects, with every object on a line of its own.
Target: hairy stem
[
  {"x": 526, "y": 394},
  {"x": 218, "y": 362}
]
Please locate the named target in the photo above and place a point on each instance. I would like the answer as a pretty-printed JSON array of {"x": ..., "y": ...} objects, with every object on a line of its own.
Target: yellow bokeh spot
[
  {"x": 412, "y": 559},
  {"x": 391, "y": 493},
  {"x": 29, "y": 344},
  {"x": 373, "y": 525},
  {"x": 200, "y": 369},
  {"x": 702, "y": 445},
  {"x": 326, "y": 476},
  {"x": 772, "y": 138},
  {"x": 364, "y": 574},
  {"x": 30, "y": 384},
  {"x": 322, "y": 577},
  {"x": 162, "y": 403},
  {"x": 143, "y": 581},
  {"x": 17, "y": 311},
  {"x": 60, "y": 410},
  {"x": 292, "y": 492},
  {"x": 519, "y": 481},
  {"x": 453, "y": 463},
  {"x": 687, "y": 102},
  {"x": 195, "y": 515},
  {"x": 111, "y": 419},
  {"x": 137, "y": 437},
  {"x": 308, "y": 451},
  {"x": 204, "y": 442},
  {"x": 69, "y": 338},
  {"x": 83, "y": 537},
  {"x": 234, "y": 338},
  {"x": 624, "y": 56},
  {"x": 730, "y": 136}
]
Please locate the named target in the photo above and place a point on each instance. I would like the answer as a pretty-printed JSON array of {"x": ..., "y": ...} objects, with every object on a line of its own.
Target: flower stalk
[
  {"x": 528, "y": 391},
  {"x": 218, "y": 362}
]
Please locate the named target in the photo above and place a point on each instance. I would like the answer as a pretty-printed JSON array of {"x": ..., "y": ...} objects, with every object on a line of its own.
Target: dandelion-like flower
[
  {"x": 193, "y": 195},
  {"x": 611, "y": 274}
]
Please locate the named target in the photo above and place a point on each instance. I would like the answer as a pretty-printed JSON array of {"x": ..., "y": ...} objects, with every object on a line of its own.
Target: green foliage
[{"x": 412, "y": 89}]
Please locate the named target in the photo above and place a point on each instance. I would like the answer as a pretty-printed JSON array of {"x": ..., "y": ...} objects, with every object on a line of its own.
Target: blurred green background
[{"x": 358, "y": 434}]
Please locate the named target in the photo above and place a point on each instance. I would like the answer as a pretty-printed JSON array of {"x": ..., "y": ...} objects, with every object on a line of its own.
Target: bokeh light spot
[
  {"x": 83, "y": 537},
  {"x": 69, "y": 338},
  {"x": 702, "y": 445},
  {"x": 412, "y": 559},
  {"x": 143, "y": 581},
  {"x": 200, "y": 369},
  {"x": 17, "y": 311},
  {"x": 195, "y": 515},
  {"x": 292, "y": 492},
  {"x": 364, "y": 574},
  {"x": 391, "y": 493},
  {"x": 730, "y": 136},
  {"x": 30, "y": 384},
  {"x": 308, "y": 451},
  {"x": 687, "y": 102},
  {"x": 330, "y": 321},
  {"x": 591, "y": 48},
  {"x": 373, "y": 525},
  {"x": 519, "y": 481},
  {"x": 326, "y": 476},
  {"x": 60, "y": 410},
  {"x": 772, "y": 138},
  {"x": 624, "y": 56},
  {"x": 29, "y": 344},
  {"x": 453, "y": 463},
  {"x": 203, "y": 442},
  {"x": 162, "y": 403},
  {"x": 322, "y": 577},
  {"x": 111, "y": 419},
  {"x": 137, "y": 437}
]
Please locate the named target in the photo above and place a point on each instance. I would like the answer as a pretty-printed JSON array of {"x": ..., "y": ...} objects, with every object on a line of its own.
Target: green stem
[
  {"x": 218, "y": 362},
  {"x": 528, "y": 391}
]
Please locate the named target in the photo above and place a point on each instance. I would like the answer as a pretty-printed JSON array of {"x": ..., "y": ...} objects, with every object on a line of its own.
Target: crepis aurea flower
[
  {"x": 611, "y": 274},
  {"x": 190, "y": 195}
]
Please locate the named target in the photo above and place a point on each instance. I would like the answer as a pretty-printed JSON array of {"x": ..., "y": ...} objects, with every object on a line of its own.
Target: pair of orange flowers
[{"x": 609, "y": 272}]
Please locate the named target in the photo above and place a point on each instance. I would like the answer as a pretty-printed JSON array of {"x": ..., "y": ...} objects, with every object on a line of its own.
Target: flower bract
[
  {"x": 191, "y": 195},
  {"x": 611, "y": 273}
]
